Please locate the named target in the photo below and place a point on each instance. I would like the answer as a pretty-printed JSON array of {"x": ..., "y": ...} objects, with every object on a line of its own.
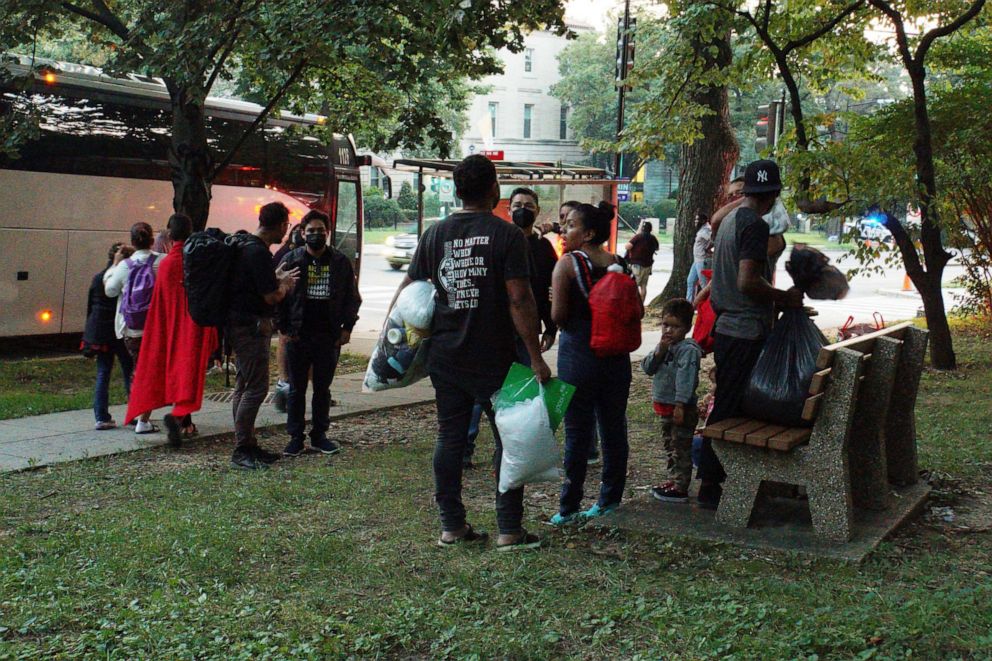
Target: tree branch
[
  {"x": 825, "y": 28},
  {"x": 942, "y": 31},
  {"x": 262, "y": 116},
  {"x": 111, "y": 21},
  {"x": 219, "y": 65}
]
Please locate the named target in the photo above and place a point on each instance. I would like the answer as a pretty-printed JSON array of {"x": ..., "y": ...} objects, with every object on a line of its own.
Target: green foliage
[
  {"x": 406, "y": 198},
  {"x": 394, "y": 77},
  {"x": 380, "y": 212},
  {"x": 636, "y": 211}
]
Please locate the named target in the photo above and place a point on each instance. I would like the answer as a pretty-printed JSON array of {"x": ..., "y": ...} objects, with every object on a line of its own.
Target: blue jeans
[
  {"x": 602, "y": 387},
  {"x": 104, "y": 367},
  {"x": 696, "y": 278}
]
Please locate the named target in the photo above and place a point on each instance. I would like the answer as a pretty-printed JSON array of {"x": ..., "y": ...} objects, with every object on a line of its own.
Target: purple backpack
[{"x": 137, "y": 295}]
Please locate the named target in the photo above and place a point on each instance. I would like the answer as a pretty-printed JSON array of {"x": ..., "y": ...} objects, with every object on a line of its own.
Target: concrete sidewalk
[
  {"x": 55, "y": 438},
  {"x": 69, "y": 436}
]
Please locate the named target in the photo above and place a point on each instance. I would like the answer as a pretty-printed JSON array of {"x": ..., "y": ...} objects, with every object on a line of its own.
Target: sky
[{"x": 591, "y": 12}]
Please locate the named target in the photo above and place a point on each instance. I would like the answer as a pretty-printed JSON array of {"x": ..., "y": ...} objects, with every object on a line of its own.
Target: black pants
[
  {"x": 320, "y": 351},
  {"x": 735, "y": 360},
  {"x": 456, "y": 396},
  {"x": 251, "y": 346}
]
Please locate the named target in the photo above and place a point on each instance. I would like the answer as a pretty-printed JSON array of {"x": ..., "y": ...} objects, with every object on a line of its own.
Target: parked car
[{"x": 399, "y": 250}]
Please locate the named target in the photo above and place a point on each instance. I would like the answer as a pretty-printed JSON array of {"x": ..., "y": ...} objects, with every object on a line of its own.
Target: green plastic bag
[{"x": 520, "y": 384}]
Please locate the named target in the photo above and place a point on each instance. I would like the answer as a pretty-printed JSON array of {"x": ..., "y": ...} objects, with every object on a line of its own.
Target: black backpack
[{"x": 208, "y": 263}]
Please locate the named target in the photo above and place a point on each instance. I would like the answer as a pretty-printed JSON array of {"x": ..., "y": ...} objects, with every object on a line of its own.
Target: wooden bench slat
[
  {"x": 717, "y": 429},
  {"x": 760, "y": 438},
  {"x": 862, "y": 343},
  {"x": 740, "y": 432},
  {"x": 789, "y": 439},
  {"x": 819, "y": 382},
  {"x": 812, "y": 407}
]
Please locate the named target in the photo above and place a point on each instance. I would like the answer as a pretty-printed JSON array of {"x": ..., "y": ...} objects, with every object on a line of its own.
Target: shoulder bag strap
[{"x": 583, "y": 271}]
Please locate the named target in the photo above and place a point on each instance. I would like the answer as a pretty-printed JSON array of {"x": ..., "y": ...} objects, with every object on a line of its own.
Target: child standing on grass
[{"x": 674, "y": 366}]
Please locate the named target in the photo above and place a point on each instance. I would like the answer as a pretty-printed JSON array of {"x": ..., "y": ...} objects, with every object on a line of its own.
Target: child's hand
[{"x": 678, "y": 415}]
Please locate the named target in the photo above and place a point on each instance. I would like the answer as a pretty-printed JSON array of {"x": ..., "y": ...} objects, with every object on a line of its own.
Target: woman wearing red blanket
[{"x": 174, "y": 352}]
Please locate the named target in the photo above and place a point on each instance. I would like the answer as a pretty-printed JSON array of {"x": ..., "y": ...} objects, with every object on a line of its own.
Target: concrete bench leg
[
  {"x": 830, "y": 507},
  {"x": 740, "y": 492},
  {"x": 900, "y": 424},
  {"x": 869, "y": 469}
]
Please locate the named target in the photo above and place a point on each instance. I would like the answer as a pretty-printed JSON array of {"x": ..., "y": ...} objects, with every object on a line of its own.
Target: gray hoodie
[{"x": 675, "y": 372}]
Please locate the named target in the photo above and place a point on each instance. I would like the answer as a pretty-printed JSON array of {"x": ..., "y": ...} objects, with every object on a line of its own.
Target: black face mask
[
  {"x": 316, "y": 241},
  {"x": 523, "y": 217}
]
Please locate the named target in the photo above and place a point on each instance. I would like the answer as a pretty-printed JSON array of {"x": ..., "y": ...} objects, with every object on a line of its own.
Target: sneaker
[
  {"x": 106, "y": 424},
  {"x": 525, "y": 542},
  {"x": 245, "y": 459},
  {"x": 281, "y": 396},
  {"x": 264, "y": 455},
  {"x": 145, "y": 428},
  {"x": 560, "y": 519},
  {"x": 594, "y": 456},
  {"x": 172, "y": 427},
  {"x": 597, "y": 511},
  {"x": 709, "y": 496},
  {"x": 669, "y": 493},
  {"x": 294, "y": 448},
  {"x": 325, "y": 446}
]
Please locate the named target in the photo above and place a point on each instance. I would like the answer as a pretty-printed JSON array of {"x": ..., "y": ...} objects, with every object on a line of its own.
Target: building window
[
  {"x": 493, "y": 112},
  {"x": 528, "y": 60},
  {"x": 563, "y": 124},
  {"x": 528, "y": 118}
]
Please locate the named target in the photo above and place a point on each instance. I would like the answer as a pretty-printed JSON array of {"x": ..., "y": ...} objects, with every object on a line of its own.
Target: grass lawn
[
  {"x": 164, "y": 554},
  {"x": 48, "y": 385}
]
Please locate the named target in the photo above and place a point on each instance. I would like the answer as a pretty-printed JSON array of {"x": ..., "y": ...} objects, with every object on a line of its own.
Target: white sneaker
[
  {"x": 145, "y": 428},
  {"x": 108, "y": 424}
]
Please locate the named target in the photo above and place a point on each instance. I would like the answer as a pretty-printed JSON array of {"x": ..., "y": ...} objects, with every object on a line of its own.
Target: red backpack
[{"x": 616, "y": 307}]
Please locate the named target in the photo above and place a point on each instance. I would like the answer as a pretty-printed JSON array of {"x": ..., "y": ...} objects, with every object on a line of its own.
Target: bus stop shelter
[{"x": 554, "y": 184}]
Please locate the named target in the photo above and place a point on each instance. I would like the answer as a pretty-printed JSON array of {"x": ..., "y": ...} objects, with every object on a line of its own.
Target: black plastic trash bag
[
  {"x": 811, "y": 271},
  {"x": 780, "y": 381}
]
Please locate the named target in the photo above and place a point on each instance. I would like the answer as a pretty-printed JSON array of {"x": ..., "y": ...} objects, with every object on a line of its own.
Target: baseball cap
[{"x": 762, "y": 177}]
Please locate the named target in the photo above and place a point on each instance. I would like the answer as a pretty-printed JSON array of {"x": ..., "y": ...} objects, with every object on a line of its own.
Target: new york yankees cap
[{"x": 762, "y": 177}]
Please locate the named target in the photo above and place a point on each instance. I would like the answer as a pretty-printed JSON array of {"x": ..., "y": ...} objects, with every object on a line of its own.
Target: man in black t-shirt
[
  {"x": 640, "y": 255},
  {"x": 316, "y": 319},
  {"x": 255, "y": 290},
  {"x": 478, "y": 264}
]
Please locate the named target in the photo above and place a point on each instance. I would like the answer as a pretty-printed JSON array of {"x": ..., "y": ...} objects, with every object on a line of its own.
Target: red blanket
[{"x": 174, "y": 350}]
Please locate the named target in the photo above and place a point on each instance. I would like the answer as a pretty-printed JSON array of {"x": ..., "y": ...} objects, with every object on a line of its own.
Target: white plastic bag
[
  {"x": 400, "y": 356},
  {"x": 530, "y": 453},
  {"x": 415, "y": 305}
]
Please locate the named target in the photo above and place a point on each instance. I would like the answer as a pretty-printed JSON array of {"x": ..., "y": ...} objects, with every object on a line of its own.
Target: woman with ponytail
[{"x": 602, "y": 385}]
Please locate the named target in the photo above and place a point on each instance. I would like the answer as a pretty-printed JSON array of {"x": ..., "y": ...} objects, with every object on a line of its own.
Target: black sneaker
[
  {"x": 294, "y": 448},
  {"x": 325, "y": 446},
  {"x": 245, "y": 459},
  {"x": 709, "y": 496},
  {"x": 669, "y": 493},
  {"x": 172, "y": 427},
  {"x": 265, "y": 456}
]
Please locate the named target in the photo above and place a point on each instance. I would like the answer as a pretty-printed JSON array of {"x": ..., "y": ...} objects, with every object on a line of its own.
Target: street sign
[
  {"x": 446, "y": 190},
  {"x": 493, "y": 155},
  {"x": 623, "y": 197}
]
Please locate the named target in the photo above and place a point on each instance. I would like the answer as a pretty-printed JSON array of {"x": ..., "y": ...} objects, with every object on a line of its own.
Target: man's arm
[
  {"x": 285, "y": 281},
  {"x": 523, "y": 311},
  {"x": 722, "y": 213},
  {"x": 113, "y": 279},
  {"x": 751, "y": 282}
]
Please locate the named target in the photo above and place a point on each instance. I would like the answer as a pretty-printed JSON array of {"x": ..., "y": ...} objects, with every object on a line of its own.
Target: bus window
[{"x": 346, "y": 219}]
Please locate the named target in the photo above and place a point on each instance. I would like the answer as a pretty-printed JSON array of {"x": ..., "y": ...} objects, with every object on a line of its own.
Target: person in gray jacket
[{"x": 674, "y": 366}]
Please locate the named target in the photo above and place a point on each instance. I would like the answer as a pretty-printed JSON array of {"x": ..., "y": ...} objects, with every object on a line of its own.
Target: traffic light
[
  {"x": 767, "y": 126},
  {"x": 625, "y": 50}
]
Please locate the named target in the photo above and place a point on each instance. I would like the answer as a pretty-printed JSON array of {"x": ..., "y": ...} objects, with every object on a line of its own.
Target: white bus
[{"x": 100, "y": 163}]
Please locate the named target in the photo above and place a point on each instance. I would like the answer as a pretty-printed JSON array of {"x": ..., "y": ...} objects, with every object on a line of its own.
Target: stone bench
[{"x": 863, "y": 434}]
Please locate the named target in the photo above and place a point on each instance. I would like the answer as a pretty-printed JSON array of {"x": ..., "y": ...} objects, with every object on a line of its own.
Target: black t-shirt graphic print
[{"x": 469, "y": 257}]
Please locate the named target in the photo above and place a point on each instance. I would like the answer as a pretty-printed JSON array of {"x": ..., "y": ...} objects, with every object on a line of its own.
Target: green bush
[
  {"x": 380, "y": 212},
  {"x": 634, "y": 212},
  {"x": 665, "y": 209},
  {"x": 407, "y": 198}
]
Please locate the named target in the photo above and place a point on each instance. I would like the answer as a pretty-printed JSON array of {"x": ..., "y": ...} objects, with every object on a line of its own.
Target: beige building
[{"x": 518, "y": 116}]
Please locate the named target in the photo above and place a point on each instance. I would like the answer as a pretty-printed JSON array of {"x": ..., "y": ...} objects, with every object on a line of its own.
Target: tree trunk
[
  {"x": 935, "y": 257},
  {"x": 189, "y": 156},
  {"x": 706, "y": 165}
]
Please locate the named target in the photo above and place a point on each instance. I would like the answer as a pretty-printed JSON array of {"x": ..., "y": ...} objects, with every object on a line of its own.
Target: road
[{"x": 869, "y": 293}]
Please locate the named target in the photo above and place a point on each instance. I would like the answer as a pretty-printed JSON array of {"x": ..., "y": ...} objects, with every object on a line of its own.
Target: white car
[{"x": 399, "y": 250}]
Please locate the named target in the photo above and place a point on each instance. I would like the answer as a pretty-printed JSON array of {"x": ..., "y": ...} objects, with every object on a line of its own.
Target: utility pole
[{"x": 625, "y": 62}]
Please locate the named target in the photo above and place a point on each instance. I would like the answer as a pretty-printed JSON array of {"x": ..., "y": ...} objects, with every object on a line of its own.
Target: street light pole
[{"x": 622, "y": 75}]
